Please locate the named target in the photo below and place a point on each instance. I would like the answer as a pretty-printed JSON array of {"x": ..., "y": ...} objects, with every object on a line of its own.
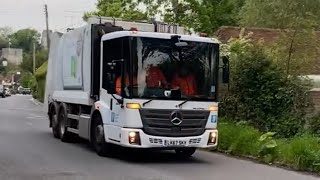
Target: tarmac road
[{"x": 28, "y": 151}]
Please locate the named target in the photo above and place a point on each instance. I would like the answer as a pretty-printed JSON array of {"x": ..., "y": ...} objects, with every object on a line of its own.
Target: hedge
[
  {"x": 40, "y": 76},
  {"x": 262, "y": 93},
  {"x": 301, "y": 152},
  {"x": 42, "y": 71}
]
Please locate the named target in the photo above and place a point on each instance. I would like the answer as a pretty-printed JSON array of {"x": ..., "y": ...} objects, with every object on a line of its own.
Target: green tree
[
  {"x": 216, "y": 13},
  {"x": 27, "y": 63},
  {"x": 127, "y": 10},
  {"x": 283, "y": 14},
  {"x": 24, "y": 39},
  {"x": 3, "y": 42},
  {"x": 5, "y": 31},
  {"x": 201, "y": 16},
  {"x": 297, "y": 46},
  {"x": 2, "y": 68},
  {"x": 26, "y": 79},
  {"x": 4, "y": 37}
]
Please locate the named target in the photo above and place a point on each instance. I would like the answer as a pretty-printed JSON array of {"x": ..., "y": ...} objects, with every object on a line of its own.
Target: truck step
[
  {"x": 72, "y": 116},
  {"x": 75, "y": 131},
  {"x": 86, "y": 116}
]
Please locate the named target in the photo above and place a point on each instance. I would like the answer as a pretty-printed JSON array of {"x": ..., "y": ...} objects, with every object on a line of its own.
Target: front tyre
[
  {"x": 54, "y": 121},
  {"x": 185, "y": 152},
  {"x": 101, "y": 147}
]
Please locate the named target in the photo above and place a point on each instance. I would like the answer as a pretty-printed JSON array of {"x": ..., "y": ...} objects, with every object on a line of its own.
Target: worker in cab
[
  {"x": 155, "y": 78},
  {"x": 127, "y": 83},
  {"x": 185, "y": 81}
]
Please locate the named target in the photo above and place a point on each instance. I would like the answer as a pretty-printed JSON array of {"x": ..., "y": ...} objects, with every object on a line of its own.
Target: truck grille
[{"x": 158, "y": 122}]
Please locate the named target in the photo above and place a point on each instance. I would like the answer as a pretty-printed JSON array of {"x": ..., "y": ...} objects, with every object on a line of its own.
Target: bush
[
  {"x": 314, "y": 124},
  {"x": 42, "y": 71},
  {"x": 26, "y": 77},
  {"x": 262, "y": 94},
  {"x": 301, "y": 152},
  {"x": 287, "y": 125},
  {"x": 238, "y": 139},
  {"x": 41, "y": 82},
  {"x": 268, "y": 147},
  {"x": 40, "y": 90}
]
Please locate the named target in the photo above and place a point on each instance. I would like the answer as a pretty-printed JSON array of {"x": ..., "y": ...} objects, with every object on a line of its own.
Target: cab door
[{"x": 115, "y": 66}]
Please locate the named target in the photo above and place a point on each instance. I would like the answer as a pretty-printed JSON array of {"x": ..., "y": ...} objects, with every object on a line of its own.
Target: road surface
[{"x": 29, "y": 152}]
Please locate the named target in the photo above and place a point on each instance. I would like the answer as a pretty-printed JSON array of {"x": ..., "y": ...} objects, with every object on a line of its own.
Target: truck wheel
[
  {"x": 54, "y": 120},
  {"x": 64, "y": 135},
  {"x": 101, "y": 147},
  {"x": 185, "y": 152}
]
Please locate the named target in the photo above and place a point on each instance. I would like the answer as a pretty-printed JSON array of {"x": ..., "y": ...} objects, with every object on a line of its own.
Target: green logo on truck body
[{"x": 73, "y": 67}]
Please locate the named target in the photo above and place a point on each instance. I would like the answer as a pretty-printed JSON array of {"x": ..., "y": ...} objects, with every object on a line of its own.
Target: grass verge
[{"x": 300, "y": 153}]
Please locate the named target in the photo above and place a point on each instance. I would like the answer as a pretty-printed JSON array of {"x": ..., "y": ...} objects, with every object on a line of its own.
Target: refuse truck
[{"x": 135, "y": 85}]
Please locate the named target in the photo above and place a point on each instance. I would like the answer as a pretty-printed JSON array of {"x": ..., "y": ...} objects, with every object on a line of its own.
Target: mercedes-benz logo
[{"x": 176, "y": 118}]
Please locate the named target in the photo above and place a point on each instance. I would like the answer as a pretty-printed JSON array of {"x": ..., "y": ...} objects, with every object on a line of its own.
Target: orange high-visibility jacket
[
  {"x": 118, "y": 83},
  {"x": 155, "y": 78},
  {"x": 186, "y": 84}
]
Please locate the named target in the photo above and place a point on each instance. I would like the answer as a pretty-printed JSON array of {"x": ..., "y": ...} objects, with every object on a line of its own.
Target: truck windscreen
[{"x": 162, "y": 65}]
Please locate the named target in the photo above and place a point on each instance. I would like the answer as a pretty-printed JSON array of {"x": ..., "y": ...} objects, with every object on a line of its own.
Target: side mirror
[{"x": 225, "y": 70}]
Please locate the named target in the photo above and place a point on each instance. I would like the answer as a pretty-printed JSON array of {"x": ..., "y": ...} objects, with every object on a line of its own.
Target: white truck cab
[{"x": 134, "y": 88}]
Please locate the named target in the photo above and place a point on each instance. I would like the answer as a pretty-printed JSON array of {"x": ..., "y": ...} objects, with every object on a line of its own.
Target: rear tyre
[
  {"x": 64, "y": 135},
  {"x": 99, "y": 144},
  {"x": 54, "y": 121},
  {"x": 185, "y": 152}
]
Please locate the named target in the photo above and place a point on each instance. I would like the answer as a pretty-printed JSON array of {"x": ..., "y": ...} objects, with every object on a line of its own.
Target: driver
[
  {"x": 184, "y": 80},
  {"x": 126, "y": 81},
  {"x": 156, "y": 78}
]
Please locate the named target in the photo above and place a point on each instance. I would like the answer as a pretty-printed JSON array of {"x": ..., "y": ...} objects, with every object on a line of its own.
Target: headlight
[
  {"x": 212, "y": 138},
  {"x": 134, "y": 138}
]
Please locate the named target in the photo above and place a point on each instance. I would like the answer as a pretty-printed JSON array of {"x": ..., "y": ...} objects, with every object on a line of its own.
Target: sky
[{"x": 63, "y": 14}]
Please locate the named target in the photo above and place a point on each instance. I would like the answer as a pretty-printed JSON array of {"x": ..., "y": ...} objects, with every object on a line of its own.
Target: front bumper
[{"x": 148, "y": 141}]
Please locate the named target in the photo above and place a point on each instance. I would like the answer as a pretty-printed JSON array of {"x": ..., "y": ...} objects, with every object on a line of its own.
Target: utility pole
[
  {"x": 34, "y": 57},
  {"x": 47, "y": 24},
  {"x": 9, "y": 43}
]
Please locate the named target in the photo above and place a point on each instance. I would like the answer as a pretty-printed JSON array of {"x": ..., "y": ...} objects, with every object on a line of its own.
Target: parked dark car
[
  {"x": 2, "y": 91},
  {"x": 26, "y": 91}
]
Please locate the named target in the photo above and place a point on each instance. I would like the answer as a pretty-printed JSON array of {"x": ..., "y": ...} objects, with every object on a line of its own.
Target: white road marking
[
  {"x": 33, "y": 116},
  {"x": 34, "y": 101}
]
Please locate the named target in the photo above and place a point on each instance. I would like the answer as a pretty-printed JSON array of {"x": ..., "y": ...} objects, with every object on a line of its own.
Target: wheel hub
[
  {"x": 62, "y": 125},
  {"x": 99, "y": 133},
  {"x": 54, "y": 121}
]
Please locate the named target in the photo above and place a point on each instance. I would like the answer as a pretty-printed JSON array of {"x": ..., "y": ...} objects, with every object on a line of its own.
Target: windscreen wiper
[
  {"x": 143, "y": 104},
  {"x": 180, "y": 105}
]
